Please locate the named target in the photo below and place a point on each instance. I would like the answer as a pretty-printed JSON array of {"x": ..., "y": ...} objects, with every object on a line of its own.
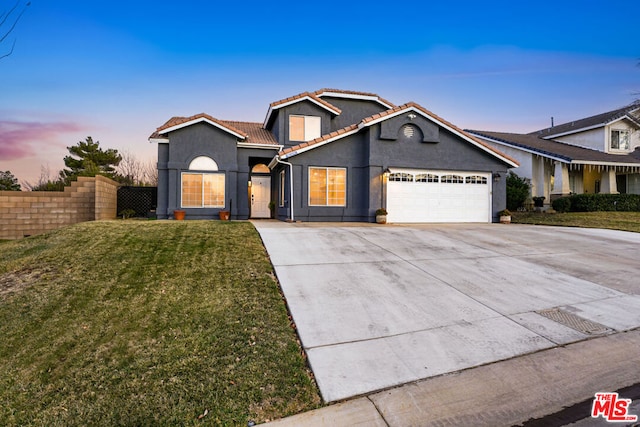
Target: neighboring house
[
  {"x": 330, "y": 155},
  {"x": 598, "y": 154}
]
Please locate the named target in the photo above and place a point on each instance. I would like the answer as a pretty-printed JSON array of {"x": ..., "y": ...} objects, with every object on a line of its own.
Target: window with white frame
[
  {"x": 619, "y": 139},
  {"x": 202, "y": 190},
  {"x": 327, "y": 186},
  {"x": 282, "y": 188},
  {"x": 304, "y": 128}
]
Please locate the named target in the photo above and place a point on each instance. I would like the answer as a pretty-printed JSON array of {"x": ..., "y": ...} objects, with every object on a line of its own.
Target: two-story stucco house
[
  {"x": 598, "y": 154},
  {"x": 330, "y": 155}
]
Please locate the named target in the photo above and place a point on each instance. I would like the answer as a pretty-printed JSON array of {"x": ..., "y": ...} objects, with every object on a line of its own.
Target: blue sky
[{"x": 117, "y": 70}]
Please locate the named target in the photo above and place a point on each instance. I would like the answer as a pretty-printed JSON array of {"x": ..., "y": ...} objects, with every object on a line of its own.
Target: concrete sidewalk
[
  {"x": 377, "y": 307},
  {"x": 506, "y": 393}
]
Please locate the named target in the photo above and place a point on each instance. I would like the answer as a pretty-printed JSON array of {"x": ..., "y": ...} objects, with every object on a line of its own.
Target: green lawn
[
  {"x": 146, "y": 323},
  {"x": 627, "y": 221}
]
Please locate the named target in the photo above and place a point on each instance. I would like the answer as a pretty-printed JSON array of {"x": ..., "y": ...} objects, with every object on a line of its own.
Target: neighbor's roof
[
  {"x": 558, "y": 150},
  {"x": 385, "y": 115},
  {"x": 249, "y": 132},
  {"x": 630, "y": 112}
]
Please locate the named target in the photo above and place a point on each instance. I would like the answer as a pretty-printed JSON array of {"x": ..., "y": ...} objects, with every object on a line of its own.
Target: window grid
[
  {"x": 476, "y": 179},
  {"x": 619, "y": 139},
  {"x": 401, "y": 177},
  {"x": 304, "y": 128},
  {"x": 203, "y": 190},
  {"x": 427, "y": 177},
  {"x": 327, "y": 186},
  {"x": 452, "y": 179}
]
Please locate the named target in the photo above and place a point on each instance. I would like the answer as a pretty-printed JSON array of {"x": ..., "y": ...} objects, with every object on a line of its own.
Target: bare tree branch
[{"x": 4, "y": 19}]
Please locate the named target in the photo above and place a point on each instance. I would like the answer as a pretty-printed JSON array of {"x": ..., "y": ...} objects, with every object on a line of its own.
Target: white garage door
[{"x": 438, "y": 196}]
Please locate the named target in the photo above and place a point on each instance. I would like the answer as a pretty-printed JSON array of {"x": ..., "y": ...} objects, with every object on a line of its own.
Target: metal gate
[{"x": 141, "y": 200}]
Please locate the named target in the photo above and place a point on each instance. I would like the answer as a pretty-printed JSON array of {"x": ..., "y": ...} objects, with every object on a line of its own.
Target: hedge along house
[{"x": 330, "y": 155}]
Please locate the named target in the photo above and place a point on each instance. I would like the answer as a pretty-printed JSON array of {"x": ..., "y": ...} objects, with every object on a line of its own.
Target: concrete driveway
[{"x": 379, "y": 306}]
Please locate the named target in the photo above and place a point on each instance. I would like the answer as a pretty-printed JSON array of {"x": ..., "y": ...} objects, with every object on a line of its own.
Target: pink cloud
[{"x": 18, "y": 139}]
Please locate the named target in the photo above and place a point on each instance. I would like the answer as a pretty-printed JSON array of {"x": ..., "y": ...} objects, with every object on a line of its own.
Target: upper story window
[
  {"x": 619, "y": 139},
  {"x": 304, "y": 128}
]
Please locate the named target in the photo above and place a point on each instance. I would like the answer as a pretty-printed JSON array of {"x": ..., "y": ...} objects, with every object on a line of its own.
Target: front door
[{"x": 260, "y": 196}]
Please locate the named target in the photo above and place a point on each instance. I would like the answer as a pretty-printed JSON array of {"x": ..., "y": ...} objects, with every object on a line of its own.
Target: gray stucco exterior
[{"x": 378, "y": 143}]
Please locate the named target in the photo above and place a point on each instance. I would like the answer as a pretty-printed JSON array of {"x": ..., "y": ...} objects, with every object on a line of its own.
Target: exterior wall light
[{"x": 496, "y": 177}]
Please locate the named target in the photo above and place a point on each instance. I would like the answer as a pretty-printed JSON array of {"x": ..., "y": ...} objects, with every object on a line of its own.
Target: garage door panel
[{"x": 409, "y": 201}]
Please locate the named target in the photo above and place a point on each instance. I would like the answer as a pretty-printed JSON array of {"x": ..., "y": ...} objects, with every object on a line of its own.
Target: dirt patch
[{"x": 17, "y": 280}]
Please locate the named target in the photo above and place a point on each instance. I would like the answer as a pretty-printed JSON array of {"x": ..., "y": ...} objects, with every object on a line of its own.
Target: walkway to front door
[{"x": 260, "y": 196}]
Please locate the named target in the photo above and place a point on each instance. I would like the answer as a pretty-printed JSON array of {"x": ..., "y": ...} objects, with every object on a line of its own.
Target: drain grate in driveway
[{"x": 574, "y": 322}]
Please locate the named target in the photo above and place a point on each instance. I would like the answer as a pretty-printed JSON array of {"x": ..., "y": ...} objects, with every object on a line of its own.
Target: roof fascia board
[
  {"x": 525, "y": 149},
  {"x": 355, "y": 96},
  {"x": 598, "y": 163},
  {"x": 295, "y": 101},
  {"x": 319, "y": 144},
  {"x": 627, "y": 117},
  {"x": 159, "y": 140},
  {"x": 202, "y": 119},
  {"x": 260, "y": 146},
  {"x": 441, "y": 124}
]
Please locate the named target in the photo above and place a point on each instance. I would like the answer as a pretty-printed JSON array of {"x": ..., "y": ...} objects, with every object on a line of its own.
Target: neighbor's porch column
[
  {"x": 538, "y": 187},
  {"x": 608, "y": 182},
  {"x": 561, "y": 180}
]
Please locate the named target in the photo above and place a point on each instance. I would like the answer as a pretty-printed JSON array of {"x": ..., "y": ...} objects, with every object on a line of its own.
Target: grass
[
  {"x": 626, "y": 221},
  {"x": 146, "y": 323}
]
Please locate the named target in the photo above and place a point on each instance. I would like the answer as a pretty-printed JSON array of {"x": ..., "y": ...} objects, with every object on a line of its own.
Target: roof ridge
[
  {"x": 607, "y": 117},
  {"x": 177, "y": 121}
]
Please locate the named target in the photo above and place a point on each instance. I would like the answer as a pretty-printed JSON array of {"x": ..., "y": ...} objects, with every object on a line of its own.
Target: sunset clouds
[{"x": 21, "y": 139}]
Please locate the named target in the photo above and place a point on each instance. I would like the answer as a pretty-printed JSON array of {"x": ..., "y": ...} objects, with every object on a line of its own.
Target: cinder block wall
[
  {"x": 106, "y": 203},
  {"x": 27, "y": 213}
]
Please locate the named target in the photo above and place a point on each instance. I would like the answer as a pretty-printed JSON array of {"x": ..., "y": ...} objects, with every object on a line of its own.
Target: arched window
[
  {"x": 200, "y": 189},
  {"x": 260, "y": 168},
  {"x": 203, "y": 163}
]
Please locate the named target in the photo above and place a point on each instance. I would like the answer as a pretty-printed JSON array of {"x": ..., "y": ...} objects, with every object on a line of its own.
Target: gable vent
[{"x": 408, "y": 131}]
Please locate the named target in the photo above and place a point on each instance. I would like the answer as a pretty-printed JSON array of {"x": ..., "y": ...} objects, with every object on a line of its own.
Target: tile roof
[
  {"x": 631, "y": 111},
  {"x": 252, "y": 133},
  {"x": 178, "y": 121},
  {"x": 255, "y": 133},
  {"x": 388, "y": 114},
  {"x": 559, "y": 150},
  {"x": 328, "y": 92},
  {"x": 303, "y": 95}
]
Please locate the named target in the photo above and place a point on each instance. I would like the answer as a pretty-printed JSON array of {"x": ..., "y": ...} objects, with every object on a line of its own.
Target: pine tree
[{"x": 88, "y": 159}]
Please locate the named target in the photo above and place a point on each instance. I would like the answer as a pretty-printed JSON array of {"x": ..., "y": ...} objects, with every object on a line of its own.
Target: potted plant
[
  {"x": 538, "y": 201},
  {"x": 272, "y": 209},
  {"x": 505, "y": 216},
  {"x": 381, "y": 216},
  {"x": 179, "y": 214},
  {"x": 224, "y": 215}
]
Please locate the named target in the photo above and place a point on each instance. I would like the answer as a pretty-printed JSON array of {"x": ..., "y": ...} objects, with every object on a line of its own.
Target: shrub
[
  {"x": 604, "y": 202},
  {"x": 517, "y": 191},
  {"x": 563, "y": 204}
]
